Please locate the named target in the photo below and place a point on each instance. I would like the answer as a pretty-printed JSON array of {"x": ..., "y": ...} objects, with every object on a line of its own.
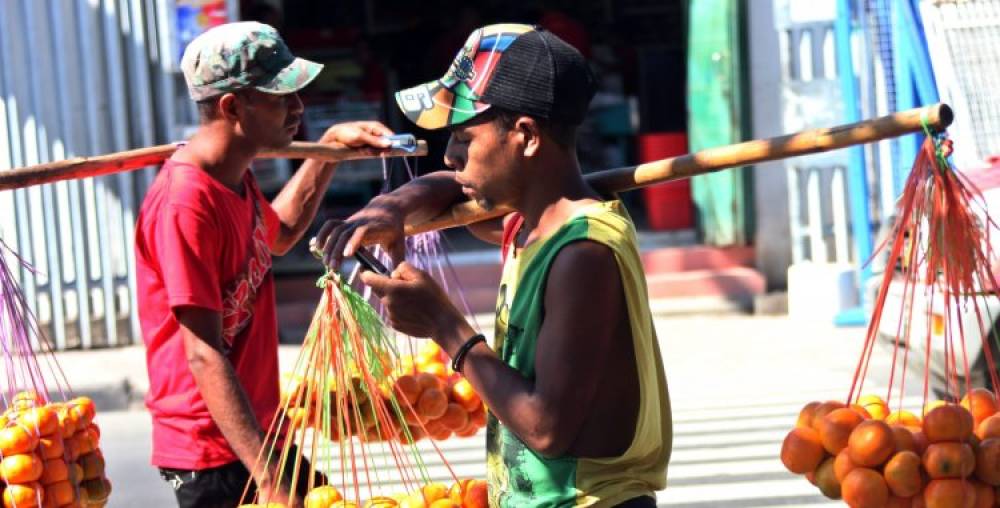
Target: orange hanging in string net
[
  {"x": 930, "y": 452},
  {"x": 354, "y": 416},
  {"x": 49, "y": 441}
]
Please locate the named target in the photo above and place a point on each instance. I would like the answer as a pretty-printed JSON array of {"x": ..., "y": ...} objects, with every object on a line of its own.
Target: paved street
[{"x": 737, "y": 384}]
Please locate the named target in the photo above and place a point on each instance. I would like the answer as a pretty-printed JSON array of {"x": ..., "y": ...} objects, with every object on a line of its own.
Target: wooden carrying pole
[
  {"x": 83, "y": 167},
  {"x": 936, "y": 117}
]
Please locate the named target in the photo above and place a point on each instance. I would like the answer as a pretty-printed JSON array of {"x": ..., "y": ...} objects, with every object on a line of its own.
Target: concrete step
[{"x": 697, "y": 257}]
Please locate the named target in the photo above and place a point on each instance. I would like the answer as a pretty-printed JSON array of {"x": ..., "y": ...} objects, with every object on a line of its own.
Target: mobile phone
[{"x": 369, "y": 262}]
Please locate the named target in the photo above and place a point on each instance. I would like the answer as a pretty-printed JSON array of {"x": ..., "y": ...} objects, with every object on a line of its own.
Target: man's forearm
[
  {"x": 510, "y": 397},
  {"x": 230, "y": 409},
  {"x": 299, "y": 199},
  {"x": 425, "y": 197}
]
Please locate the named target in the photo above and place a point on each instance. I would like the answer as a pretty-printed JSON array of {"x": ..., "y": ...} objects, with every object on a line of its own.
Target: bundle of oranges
[
  {"x": 50, "y": 454},
  {"x": 433, "y": 400},
  {"x": 465, "y": 493},
  {"x": 437, "y": 400},
  {"x": 873, "y": 458}
]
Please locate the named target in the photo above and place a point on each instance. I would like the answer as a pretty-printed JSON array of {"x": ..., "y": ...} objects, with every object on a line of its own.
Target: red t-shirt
[{"x": 193, "y": 240}]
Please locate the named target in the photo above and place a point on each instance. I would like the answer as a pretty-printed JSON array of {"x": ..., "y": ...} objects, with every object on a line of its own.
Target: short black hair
[
  {"x": 208, "y": 109},
  {"x": 504, "y": 119}
]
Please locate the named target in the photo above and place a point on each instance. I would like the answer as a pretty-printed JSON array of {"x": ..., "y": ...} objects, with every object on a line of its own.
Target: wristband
[{"x": 456, "y": 362}]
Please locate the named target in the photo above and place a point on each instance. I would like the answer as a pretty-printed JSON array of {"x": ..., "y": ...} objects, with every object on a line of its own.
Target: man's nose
[
  {"x": 451, "y": 157},
  {"x": 295, "y": 104}
]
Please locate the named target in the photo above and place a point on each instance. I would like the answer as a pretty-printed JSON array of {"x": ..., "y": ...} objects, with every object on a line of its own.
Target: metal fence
[
  {"x": 80, "y": 77},
  {"x": 964, "y": 42}
]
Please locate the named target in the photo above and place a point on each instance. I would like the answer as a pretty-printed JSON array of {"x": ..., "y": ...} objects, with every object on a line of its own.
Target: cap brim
[
  {"x": 292, "y": 78},
  {"x": 435, "y": 106}
]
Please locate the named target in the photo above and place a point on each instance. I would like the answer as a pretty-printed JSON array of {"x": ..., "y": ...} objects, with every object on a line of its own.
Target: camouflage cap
[{"x": 234, "y": 56}]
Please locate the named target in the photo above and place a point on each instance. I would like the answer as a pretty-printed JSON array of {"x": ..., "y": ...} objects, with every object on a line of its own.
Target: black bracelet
[{"x": 456, "y": 362}]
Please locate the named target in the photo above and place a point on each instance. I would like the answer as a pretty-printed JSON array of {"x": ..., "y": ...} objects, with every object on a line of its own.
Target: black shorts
[
  {"x": 222, "y": 487},
  {"x": 638, "y": 502}
]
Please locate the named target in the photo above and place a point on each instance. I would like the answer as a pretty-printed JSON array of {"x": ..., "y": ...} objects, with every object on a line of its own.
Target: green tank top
[{"x": 517, "y": 475}]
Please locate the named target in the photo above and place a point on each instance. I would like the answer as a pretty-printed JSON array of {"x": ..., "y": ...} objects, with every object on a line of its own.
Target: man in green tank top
[{"x": 574, "y": 381}]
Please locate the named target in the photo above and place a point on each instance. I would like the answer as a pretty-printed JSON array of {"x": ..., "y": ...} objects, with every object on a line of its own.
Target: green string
[{"x": 936, "y": 138}]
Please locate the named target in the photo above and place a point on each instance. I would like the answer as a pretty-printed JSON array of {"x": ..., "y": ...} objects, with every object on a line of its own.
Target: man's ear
[
  {"x": 228, "y": 106},
  {"x": 531, "y": 135}
]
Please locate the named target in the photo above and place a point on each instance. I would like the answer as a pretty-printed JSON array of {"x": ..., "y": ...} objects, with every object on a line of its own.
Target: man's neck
[
  {"x": 220, "y": 154},
  {"x": 549, "y": 201}
]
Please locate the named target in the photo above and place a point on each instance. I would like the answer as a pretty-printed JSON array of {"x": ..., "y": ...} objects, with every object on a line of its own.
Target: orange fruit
[
  {"x": 875, "y": 406},
  {"x": 871, "y": 443},
  {"x": 434, "y": 491},
  {"x": 408, "y": 388},
  {"x": 469, "y": 430},
  {"x": 409, "y": 414},
  {"x": 948, "y": 493},
  {"x": 919, "y": 440},
  {"x": 949, "y": 460},
  {"x": 415, "y": 434},
  {"x": 93, "y": 465},
  {"x": 322, "y": 497},
  {"x": 802, "y": 450},
  {"x": 934, "y": 404},
  {"x": 427, "y": 381},
  {"x": 26, "y": 495},
  {"x": 823, "y": 410},
  {"x": 902, "y": 474},
  {"x": 68, "y": 420},
  {"x": 981, "y": 403},
  {"x": 806, "y": 414},
  {"x": 989, "y": 427},
  {"x": 476, "y": 495},
  {"x": 17, "y": 439},
  {"x": 843, "y": 465},
  {"x": 52, "y": 446},
  {"x": 826, "y": 479},
  {"x": 985, "y": 495},
  {"x": 457, "y": 490},
  {"x": 442, "y": 434},
  {"x": 858, "y": 408},
  {"x": 835, "y": 428},
  {"x": 903, "y": 417},
  {"x": 381, "y": 502},
  {"x": 899, "y": 502},
  {"x": 83, "y": 443},
  {"x": 478, "y": 417},
  {"x": 432, "y": 403},
  {"x": 903, "y": 438},
  {"x": 21, "y": 468},
  {"x": 988, "y": 461},
  {"x": 438, "y": 369},
  {"x": 96, "y": 490},
  {"x": 949, "y": 422},
  {"x": 54, "y": 470},
  {"x": 60, "y": 493},
  {"x": 864, "y": 488},
  {"x": 86, "y": 409},
  {"x": 75, "y": 472},
  {"x": 463, "y": 393},
  {"x": 454, "y": 417}
]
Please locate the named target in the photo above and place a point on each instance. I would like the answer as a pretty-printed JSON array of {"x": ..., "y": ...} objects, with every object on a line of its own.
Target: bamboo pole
[
  {"x": 84, "y": 167},
  {"x": 937, "y": 117}
]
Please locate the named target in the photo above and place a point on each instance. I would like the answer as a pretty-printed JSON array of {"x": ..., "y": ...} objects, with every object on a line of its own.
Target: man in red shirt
[{"x": 204, "y": 241}]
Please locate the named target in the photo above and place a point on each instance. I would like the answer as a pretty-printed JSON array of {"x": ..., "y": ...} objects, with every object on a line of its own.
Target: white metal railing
[
  {"x": 964, "y": 42},
  {"x": 79, "y": 78}
]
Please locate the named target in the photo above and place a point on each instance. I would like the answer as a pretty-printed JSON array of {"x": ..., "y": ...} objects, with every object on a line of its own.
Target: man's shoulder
[{"x": 182, "y": 185}]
